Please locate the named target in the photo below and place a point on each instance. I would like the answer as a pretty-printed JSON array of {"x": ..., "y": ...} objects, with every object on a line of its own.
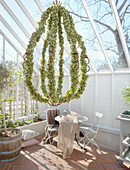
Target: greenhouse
[{"x": 64, "y": 84}]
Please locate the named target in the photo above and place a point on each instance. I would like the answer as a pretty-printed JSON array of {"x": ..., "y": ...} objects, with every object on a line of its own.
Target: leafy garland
[{"x": 52, "y": 95}]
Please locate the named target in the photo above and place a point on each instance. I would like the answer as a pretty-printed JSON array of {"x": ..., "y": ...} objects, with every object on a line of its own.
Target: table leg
[{"x": 79, "y": 143}]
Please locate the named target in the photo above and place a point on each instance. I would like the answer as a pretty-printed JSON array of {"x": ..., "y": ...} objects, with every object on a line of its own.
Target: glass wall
[
  {"x": 15, "y": 98},
  {"x": 28, "y": 14}
]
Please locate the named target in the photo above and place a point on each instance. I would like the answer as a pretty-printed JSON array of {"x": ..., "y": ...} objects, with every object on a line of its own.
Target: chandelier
[{"x": 56, "y": 18}]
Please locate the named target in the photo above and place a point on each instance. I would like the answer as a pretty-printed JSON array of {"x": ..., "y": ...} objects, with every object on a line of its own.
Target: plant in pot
[
  {"x": 125, "y": 95},
  {"x": 37, "y": 117},
  {"x": 10, "y": 139},
  {"x": 10, "y": 123}
]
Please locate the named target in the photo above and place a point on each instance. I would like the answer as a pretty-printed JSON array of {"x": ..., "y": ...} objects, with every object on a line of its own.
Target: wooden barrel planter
[{"x": 10, "y": 147}]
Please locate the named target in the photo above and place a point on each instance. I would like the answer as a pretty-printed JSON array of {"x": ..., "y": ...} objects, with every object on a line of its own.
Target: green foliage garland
[{"x": 56, "y": 14}]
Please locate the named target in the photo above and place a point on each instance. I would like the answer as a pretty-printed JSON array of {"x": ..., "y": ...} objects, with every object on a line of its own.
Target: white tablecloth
[{"x": 67, "y": 130}]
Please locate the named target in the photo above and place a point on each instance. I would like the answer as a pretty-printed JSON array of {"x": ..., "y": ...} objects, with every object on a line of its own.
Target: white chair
[{"x": 87, "y": 131}]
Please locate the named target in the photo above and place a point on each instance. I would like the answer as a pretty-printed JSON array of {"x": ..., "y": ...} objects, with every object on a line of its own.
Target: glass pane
[
  {"x": 91, "y": 70},
  {"x": 124, "y": 18},
  {"x": 20, "y": 15},
  {"x": 104, "y": 20},
  {"x": 10, "y": 53},
  {"x": 32, "y": 9},
  {"x": 102, "y": 14},
  {"x": 14, "y": 26},
  {"x": 12, "y": 38}
]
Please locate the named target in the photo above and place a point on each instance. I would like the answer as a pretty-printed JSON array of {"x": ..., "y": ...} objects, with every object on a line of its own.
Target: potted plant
[
  {"x": 125, "y": 95},
  {"x": 37, "y": 117},
  {"x": 10, "y": 139}
]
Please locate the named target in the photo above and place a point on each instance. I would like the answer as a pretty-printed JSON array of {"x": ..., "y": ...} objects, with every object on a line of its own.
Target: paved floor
[{"x": 43, "y": 157}]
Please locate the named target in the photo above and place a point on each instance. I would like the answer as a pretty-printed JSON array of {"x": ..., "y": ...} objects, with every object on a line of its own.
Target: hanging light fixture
[{"x": 54, "y": 16}]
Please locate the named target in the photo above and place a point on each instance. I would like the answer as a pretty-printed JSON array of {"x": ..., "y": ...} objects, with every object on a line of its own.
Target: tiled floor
[{"x": 43, "y": 157}]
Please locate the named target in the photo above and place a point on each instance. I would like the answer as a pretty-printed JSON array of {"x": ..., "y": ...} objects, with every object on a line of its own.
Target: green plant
[
  {"x": 20, "y": 122},
  {"x": 30, "y": 121},
  {"x": 4, "y": 75},
  {"x": 8, "y": 119},
  {"x": 125, "y": 94},
  {"x": 53, "y": 96},
  {"x": 36, "y": 116},
  {"x": 6, "y": 87},
  {"x": 10, "y": 124}
]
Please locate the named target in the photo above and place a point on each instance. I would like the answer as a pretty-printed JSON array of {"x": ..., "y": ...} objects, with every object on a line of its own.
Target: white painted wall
[
  {"x": 102, "y": 94},
  {"x": 106, "y": 99}
]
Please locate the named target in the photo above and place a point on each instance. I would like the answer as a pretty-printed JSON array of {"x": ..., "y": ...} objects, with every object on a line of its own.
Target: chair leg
[
  {"x": 95, "y": 144},
  {"x": 50, "y": 137},
  {"x": 83, "y": 143},
  {"x": 89, "y": 140},
  {"x": 83, "y": 146},
  {"x": 81, "y": 139}
]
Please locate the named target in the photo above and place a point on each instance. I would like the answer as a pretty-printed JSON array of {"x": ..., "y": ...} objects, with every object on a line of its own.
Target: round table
[{"x": 81, "y": 120}]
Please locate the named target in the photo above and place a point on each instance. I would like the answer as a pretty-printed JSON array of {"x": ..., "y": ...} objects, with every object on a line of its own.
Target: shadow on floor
[{"x": 45, "y": 157}]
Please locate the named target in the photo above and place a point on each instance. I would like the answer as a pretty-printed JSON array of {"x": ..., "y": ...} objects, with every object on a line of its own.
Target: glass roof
[{"x": 98, "y": 27}]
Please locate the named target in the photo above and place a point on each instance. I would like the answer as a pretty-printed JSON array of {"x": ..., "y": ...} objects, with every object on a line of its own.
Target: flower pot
[
  {"x": 38, "y": 120},
  {"x": 10, "y": 146}
]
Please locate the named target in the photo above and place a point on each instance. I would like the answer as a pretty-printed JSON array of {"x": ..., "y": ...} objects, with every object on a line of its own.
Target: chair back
[
  {"x": 51, "y": 114},
  {"x": 97, "y": 121}
]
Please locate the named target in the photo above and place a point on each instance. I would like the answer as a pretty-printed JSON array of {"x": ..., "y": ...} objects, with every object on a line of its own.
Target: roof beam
[
  {"x": 39, "y": 4},
  {"x": 119, "y": 27},
  {"x": 96, "y": 33}
]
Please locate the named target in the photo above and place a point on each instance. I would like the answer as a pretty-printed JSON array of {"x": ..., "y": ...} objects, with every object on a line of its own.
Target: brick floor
[{"x": 45, "y": 157}]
